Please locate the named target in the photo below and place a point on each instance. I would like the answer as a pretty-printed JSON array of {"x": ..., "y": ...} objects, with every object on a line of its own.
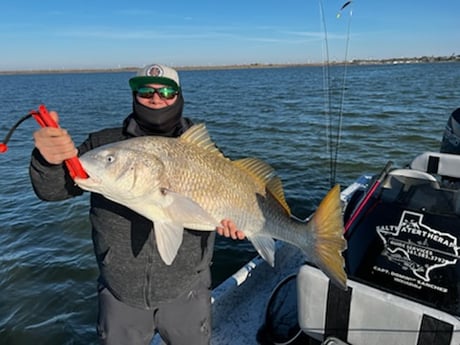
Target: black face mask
[{"x": 147, "y": 121}]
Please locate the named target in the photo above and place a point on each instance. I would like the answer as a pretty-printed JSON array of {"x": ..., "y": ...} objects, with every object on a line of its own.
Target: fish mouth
[{"x": 88, "y": 182}]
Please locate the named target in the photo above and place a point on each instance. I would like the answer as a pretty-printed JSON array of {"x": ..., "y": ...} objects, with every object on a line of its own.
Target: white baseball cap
[{"x": 155, "y": 74}]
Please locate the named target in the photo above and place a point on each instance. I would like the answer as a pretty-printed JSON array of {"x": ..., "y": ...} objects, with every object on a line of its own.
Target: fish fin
[
  {"x": 168, "y": 238},
  {"x": 275, "y": 188},
  {"x": 265, "y": 246},
  {"x": 187, "y": 212},
  {"x": 327, "y": 224},
  {"x": 265, "y": 174},
  {"x": 198, "y": 135},
  {"x": 257, "y": 168}
]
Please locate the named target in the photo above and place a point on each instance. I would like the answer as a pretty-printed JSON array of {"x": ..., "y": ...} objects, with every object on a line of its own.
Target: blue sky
[{"x": 55, "y": 34}]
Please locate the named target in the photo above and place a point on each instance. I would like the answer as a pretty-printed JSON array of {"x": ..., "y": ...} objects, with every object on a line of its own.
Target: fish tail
[{"x": 329, "y": 243}]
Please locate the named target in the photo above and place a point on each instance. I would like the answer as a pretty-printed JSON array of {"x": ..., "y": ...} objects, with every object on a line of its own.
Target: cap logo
[{"x": 155, "y": 71}]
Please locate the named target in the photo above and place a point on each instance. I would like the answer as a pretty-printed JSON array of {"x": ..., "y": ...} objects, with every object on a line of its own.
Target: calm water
[{"x": 47, "y": 270}]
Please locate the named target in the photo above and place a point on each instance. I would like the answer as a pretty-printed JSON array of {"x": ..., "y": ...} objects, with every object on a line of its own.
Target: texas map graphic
[{"x": 417, "y": 247}]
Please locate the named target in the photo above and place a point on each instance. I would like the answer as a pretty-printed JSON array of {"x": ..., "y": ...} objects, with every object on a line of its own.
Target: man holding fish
[
  {"x": 139, "y": 293},
  {"x": 159, "y": 171}
]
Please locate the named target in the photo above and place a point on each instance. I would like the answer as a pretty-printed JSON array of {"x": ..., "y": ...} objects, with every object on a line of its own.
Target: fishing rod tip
[{"x": 3, "y": 148}]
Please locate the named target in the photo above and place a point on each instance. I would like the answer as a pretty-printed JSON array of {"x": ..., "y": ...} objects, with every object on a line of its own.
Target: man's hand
[
  {"x": 54, "y": 144},
  {"x": 228, "y": 229}
]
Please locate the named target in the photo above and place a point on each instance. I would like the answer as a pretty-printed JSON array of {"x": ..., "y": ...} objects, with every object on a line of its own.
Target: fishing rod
[
  {"x": 345, "y": 70},
  {"x": 327, "y": 93},
  {"x": 333, "y": 139},
  {"x": 44, "y": 119},
  {"x": 365, "y": 204}
]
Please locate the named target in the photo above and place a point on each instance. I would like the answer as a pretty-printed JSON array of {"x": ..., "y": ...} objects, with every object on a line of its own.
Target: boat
[{"x": 403, "y": 229}]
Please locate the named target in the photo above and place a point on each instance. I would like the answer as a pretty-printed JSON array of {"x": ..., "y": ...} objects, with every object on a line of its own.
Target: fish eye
[{"x": 110, "y": 159}]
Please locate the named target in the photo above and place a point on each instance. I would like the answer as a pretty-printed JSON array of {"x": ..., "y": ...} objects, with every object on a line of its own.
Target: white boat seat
[
  {"x": 409, "y": 178},
  {"x": 443, "y": 164},
  {"x": 364, "y": 315}
]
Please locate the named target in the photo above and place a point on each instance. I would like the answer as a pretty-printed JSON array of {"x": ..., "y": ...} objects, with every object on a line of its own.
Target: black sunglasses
[{"x": 165, "y": 92}]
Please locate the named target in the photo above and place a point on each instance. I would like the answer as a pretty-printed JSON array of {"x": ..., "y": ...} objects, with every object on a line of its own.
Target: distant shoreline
[{"x": 392, "y": 61}]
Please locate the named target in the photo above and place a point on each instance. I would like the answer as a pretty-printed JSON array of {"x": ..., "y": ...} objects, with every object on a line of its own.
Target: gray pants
[{"x": 183, "y": 321}]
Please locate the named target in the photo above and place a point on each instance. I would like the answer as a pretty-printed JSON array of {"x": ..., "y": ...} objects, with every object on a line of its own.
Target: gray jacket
[{"x": 124, "y": 243}]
